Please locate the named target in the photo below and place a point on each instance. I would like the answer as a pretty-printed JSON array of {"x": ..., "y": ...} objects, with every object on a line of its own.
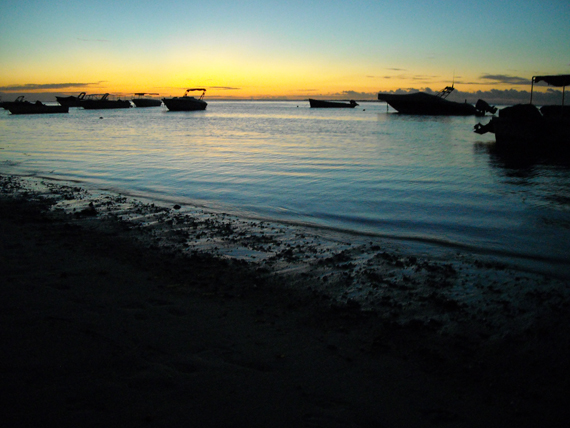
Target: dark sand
[{"x": 114, "y": 316}]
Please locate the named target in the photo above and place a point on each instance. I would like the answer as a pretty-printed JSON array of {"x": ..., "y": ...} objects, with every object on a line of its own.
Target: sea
[{"x": 368, "y": 171}]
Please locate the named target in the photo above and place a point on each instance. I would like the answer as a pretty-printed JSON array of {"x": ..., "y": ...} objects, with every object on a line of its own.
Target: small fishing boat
[
  {"x": 331, "y": 104},
  {"x": 38, "y": 107},
  {"x": 71, "y": 101},
  {"x": 186, "y": 103},
  {"x": 421, "y": 103},
  {"x": 102, "y": 101},
  {"x": 142, "y": 101},
  {"x": 528, "y": 125}
]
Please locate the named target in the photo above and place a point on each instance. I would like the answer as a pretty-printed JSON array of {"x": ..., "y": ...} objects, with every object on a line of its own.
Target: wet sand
[{"x": 117, "y": 312}]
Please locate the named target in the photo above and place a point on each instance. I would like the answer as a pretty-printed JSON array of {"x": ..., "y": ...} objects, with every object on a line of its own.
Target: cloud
[
  {"x": 422, "y": 78},
  {"x": 415, "y": 77},
  {"x": 503, "y": 78},
  {"x": 396, "y": 69},
  {"x": 44, "y": 86},
  {"x": 228, "y": 88},
  {"x": 359, "y": 95}
]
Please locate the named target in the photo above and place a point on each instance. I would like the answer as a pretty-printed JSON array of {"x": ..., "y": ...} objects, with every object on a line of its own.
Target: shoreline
[{"x": 193, "y": 312}]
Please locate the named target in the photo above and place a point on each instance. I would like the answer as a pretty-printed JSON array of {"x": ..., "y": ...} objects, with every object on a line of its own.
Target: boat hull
[
  {"x": 24, "y": 108},
  {"x": 184, "y": 104},
  {"x": 6, "y": 105},
  {"x": 146, "y": 102},
  {"x": 524, "y": 125},
  {"x": 331, "y": 104},
  {"x": 71, "y": 101},
  {"x": 546, "y": 132},
  {"x": 421, "y": 103}
]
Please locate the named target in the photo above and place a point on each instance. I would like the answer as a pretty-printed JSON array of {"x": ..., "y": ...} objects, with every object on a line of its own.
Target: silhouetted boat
[
  {"x": 38, "y": 107},
  {"x": 526, "y": 124},
  {"x": 71, "y": 101},
  {"x": 331, "y": 104},
  {"x": 142, "y": 101},
  {"x": 186, "y": 103},
  {"x": 428, "y": 104},
  {"x": 7, "y": 104},
  {"x": 92, "y": 103}
]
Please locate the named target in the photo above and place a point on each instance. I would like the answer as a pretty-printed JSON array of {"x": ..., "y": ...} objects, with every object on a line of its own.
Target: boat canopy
[
  {"x": 196, "y": 89},
  {"x": 556, "y": 80}
]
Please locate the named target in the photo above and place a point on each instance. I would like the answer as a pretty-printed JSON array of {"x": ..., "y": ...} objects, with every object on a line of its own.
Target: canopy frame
[{"x": 560, "y": 80}]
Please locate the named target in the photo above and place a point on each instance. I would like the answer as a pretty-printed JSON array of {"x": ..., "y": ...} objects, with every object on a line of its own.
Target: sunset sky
[{"x": 269, "y": 48}]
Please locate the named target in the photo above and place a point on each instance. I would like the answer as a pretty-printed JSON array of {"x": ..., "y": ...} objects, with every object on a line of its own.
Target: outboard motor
[
  {"x": 479, "y": 128},
  {"x": 484, "y": 107}
]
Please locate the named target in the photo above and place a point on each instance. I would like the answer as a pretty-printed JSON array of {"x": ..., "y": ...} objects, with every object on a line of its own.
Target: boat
[
  {"x": 529, "y": 125},
  {"x": 142, "y": 101},
  {"x": 7, "y": 104},
  {"x": 421, "y": 103},
  {"x": 331, "y": 104},
  {"x": 186, "y": 103},
  {"x": 71, "y": 101},
  {"x": 38, "y": 107},
  {"x": 102, "y": 101}
]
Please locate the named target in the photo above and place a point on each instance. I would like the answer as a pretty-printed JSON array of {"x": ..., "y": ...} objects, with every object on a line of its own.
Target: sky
[{"x": 280, "y": 49}]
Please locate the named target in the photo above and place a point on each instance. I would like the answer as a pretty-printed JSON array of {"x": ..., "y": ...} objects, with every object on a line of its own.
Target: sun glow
[{"x": 275, "y": 50}]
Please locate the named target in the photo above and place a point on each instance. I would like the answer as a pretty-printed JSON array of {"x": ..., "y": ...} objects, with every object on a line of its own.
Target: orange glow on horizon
[{"x": 276, "y": 81}]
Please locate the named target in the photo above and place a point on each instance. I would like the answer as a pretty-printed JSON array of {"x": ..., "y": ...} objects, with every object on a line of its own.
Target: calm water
[{"x": 366, "y": 170}]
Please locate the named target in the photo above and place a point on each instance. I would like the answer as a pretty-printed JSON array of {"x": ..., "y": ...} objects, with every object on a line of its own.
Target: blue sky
[{"x": 275, "y": 48}]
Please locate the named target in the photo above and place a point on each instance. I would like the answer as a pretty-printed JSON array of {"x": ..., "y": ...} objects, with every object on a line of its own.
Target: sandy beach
[{"x": 121, "y": 312}]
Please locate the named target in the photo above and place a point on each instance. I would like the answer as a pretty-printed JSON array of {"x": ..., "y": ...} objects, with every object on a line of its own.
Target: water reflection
[
  {"x": 522, "y": 157},
  {"x": 507, "y": 163},
  {"x": 545, "y": 173}
]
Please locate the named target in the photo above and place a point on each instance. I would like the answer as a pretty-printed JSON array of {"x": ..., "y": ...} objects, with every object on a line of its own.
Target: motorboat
[
  {"x": 526, "y": 124},
  {"x": 142, "y": 101},
  {"x": 421, "y": 103},
  {"x": 102, "y": 101},
  {"x": 71, "y": 101},
  {"x": 331, "y": 104},
  {"x": 38, "y": 107},
  {"x": 186, "y": 103}
]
